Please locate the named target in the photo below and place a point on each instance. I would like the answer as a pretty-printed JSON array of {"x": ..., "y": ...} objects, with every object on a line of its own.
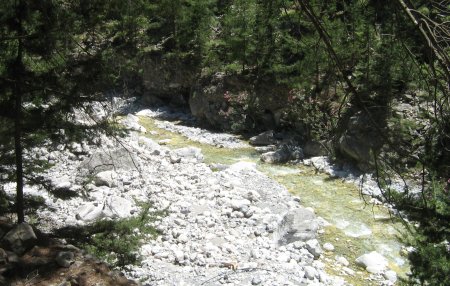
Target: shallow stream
[{"x": 355, "y": 226}]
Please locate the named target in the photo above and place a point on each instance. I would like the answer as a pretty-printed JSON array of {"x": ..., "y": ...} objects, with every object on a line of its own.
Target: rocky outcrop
[
  {"x": 360, "y": 141},
  {"x": 167, "y": 80},
  {"x": 221, "y": 100}
]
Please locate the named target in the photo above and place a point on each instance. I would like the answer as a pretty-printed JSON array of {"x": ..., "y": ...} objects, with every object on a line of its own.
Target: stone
[
  {"x": 64, "y": 258},
  {"x": 61, "y": 183},
  {"x": 106, "y": 178},
  {"x": 314, "y": 248},
  {"x": 241, "y": 205},
  {"x": 131, "y": 122},
  {"x": 298, "y": 225},
  {"x": 179, "y": 256},
  {"x": 310, "y": 272},
  {"x": 390, "y": 275},
  {"x": 117, "y": 207},
  {"x": 190, "y": 153},
  {"x": 342, "y": 260},
  {"x": 20, "y": 238},
  {"x": 284, "y": 257},
  {"x": 328, "y": 246},
  {"x": 373, "y": 262},
  {"x": 283, "y": 154},
  {"x": 256, "y": 280},
  {"x": 263, "y": 139},
  {"x": 90, "y": 212}
]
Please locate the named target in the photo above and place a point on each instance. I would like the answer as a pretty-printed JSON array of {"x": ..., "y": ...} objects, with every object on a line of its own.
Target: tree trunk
[
  {"x": 18, "y": 93},
  {"x": 18, "y": 155}
]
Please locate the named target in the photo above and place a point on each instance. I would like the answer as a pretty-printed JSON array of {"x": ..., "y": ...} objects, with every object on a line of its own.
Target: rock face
[
  {"x": 215, "y": 98},
  {"x": 360, "y": 141},
  {"x": 167, "y": 80}
]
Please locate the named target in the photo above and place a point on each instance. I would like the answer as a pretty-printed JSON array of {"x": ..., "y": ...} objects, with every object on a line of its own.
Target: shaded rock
[
  {"x": 373, "y": 262},
  {"x": 64, "y": 258},
  {"x": 359, "y": 142},
  {"x": 20, "y": 238},
  {"x": 213, "y": 95},
  {"x": 263, "y": 139},
  {"x": 167, "y": 80},
  {"x": 315, "y": 148},
  {"x": 284, "y": 154}
]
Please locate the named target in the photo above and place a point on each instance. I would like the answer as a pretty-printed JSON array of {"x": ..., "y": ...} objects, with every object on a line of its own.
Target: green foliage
[
  {"x": 431, "y": 263},
  {"x": 117, "y": 241}
]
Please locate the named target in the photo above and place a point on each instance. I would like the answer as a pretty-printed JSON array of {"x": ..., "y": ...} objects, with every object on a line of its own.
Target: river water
[{"x": 353, "y": 226}]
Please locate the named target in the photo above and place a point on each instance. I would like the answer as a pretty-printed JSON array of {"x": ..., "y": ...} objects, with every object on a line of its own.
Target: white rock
[
  {"x": 373, "y": 262},
  {"x": 310, "y": 272},
  {"x": 391, "y": 276},
  {"x": 342, "y": 260},
  {"x": 313, "y": 247},
  {"x": 328, "y": 246},
  {"x": 90, "y": 212},
  {"x": 106, "y": 178},
  {"x": 116, "y": 206}
]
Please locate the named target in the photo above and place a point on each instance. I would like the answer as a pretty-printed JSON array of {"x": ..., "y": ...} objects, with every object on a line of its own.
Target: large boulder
[
  {"x": 106, "y": 160},
  {"x": 19, "y": 239},
  {"x": 299, "y": 225}
]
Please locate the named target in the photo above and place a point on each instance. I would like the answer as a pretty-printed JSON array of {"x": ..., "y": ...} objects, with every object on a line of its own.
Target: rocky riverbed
[{"x": 235, "y": 226}]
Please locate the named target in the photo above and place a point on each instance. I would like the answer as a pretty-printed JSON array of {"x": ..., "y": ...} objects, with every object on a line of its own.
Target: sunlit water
[{"x": 355, "y": 226}]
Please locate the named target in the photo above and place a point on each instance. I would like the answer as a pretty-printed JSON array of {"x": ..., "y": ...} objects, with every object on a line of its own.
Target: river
[{"x": 352, "y": 225}]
